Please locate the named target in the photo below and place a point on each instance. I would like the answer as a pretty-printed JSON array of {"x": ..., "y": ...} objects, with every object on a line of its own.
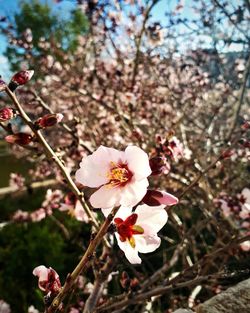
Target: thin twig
[
  {"x": 84, "y": 262},
  {"x": 51, "y": 154}
]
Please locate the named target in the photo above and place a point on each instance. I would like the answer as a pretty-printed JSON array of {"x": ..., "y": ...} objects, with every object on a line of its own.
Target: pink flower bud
[
  {"x": 21, "y": 139},
  {"x": 48, "y": 279},
  {"x": 6, "y": 114},
  {"x": 20, "y": 78},
  {"x": 2, "y": 85},
  {"x": 49, "y": 120},
  {"x": 159, "y": 165},
  {"x": 156, "y": 197}
]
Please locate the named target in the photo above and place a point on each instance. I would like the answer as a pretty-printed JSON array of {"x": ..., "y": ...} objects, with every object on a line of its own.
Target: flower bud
[
  {"x": 156, "y": 197},
  {"x": 20, "y": 78},
  {"x": 21, "y": 139},
  {"x": 159, "y": 165},
  {"x": 49, "y": 120},
  {"x": 125, "y": 280},
  {"x": 2, "y": 85},
  {"x": 48, "y": 279},
  {"x": 6, "y": 114}
]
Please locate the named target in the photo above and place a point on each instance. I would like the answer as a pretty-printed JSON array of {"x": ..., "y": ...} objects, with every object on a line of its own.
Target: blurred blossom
[
  {"x": 16, "y": 180},
  {"x": 159, "y": 165},
  {"x": 21, "y": 216},
  {"x": 4, "y": 307},
  {"x": 32, "y": 309},
  {"x": 2, "y": 85},
  {"x": 38, "y": 215}
]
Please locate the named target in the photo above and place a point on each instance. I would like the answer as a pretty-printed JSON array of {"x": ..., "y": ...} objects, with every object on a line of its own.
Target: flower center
[
  {"x": 119, "y": 174},
  {"x": 127, "y": 229}
]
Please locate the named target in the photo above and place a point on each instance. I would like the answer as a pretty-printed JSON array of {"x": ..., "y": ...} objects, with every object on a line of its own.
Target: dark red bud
[
  {"x": 150, "y": 197},
  {"x": 6, "y": 114},
  {"x": 158, "y": 165},
  {"x": 21, "y": 139},
  {"x": 49, "y": 120},
  {"x": 134, "y": 284},
  {"x": 20, "y": 78},
  {"x": 125, "y": 280}
]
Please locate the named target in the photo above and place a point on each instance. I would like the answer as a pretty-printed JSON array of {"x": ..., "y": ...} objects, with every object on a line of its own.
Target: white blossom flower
[
  {"x": 137, "y": 232},
  {"x": 121, "y": 176}
]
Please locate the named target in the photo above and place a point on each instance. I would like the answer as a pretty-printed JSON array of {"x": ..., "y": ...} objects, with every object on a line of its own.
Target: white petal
[
  {"x": 91, "y": 174},
  {"x": 95, "y": 167},
  {"x": 42, "y": 272},
  {"x": 124, "y": 212},
  {"x": 246, "y": 194},
  {"x": 138, "y": 162},
  {"x": 132, "y": 193},
  {"x": 151, "y": 218},
  {"x": 130, "y": 253},
  {"x": 79, "y": 212},
  {"x": 105, "y": 197},
  {"x": 146, "y": 244}
]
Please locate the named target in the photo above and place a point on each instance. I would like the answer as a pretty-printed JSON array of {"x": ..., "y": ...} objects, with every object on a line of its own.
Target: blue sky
[{"x": 9, "y": 7}]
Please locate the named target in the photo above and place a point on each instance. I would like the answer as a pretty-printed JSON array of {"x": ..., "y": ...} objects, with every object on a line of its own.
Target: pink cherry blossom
[
  {"x": 137, "y": 232},
  {"x": 245, "y": 246},
  {"x": 4, "y": 307},
  {"x": 74, "y": 208},
  {"x": 157, "y": 197},
  {"x": 245, "y": 211},
  {"x": 38, "y": 215},
  {"x": 121, "y": 176},
  {"x": 48, "y": 279}
]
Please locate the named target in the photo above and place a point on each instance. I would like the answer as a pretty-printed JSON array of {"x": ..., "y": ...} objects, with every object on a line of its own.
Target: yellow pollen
[
  {"x": 131, "y": 241},
  {"x": 117, "y": 174}
]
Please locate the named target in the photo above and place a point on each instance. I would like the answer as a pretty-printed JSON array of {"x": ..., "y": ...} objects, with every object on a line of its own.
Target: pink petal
[
  {"x": 95, "y": 167},
  {"x": 130, "y": 253},
  {"x": 167, "y": 199},
  {"x": 151, "y": 218},
  {"x": 106, "y": 197},
  {"x": 122, "y": 213},
  {"x": 80, "y": 214},
  {"x": 138, "y": 162},
  {"x": 246, "y": 194},
  {"x": 41, "y": 271},
  {"x": 147, "y": 244},
  {"x": 132, "y": 193}
]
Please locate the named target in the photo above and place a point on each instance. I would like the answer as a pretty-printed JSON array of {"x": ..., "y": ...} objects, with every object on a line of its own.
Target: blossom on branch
[
  {"x": 121, "y": 176},
  {"x": 137, "y": 231},
  {"x": 6, "y": 114},
  {"x": 21, "y": 139},
  {"x": 48, "y": 279},
  {"x": 156, "y": 197},
  {"x": 20, "y": 78},
  {"x": 49, "y": 120}
]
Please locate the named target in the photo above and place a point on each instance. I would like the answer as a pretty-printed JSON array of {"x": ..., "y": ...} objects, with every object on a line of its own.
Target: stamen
[{"x": 118, "y": 175}]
